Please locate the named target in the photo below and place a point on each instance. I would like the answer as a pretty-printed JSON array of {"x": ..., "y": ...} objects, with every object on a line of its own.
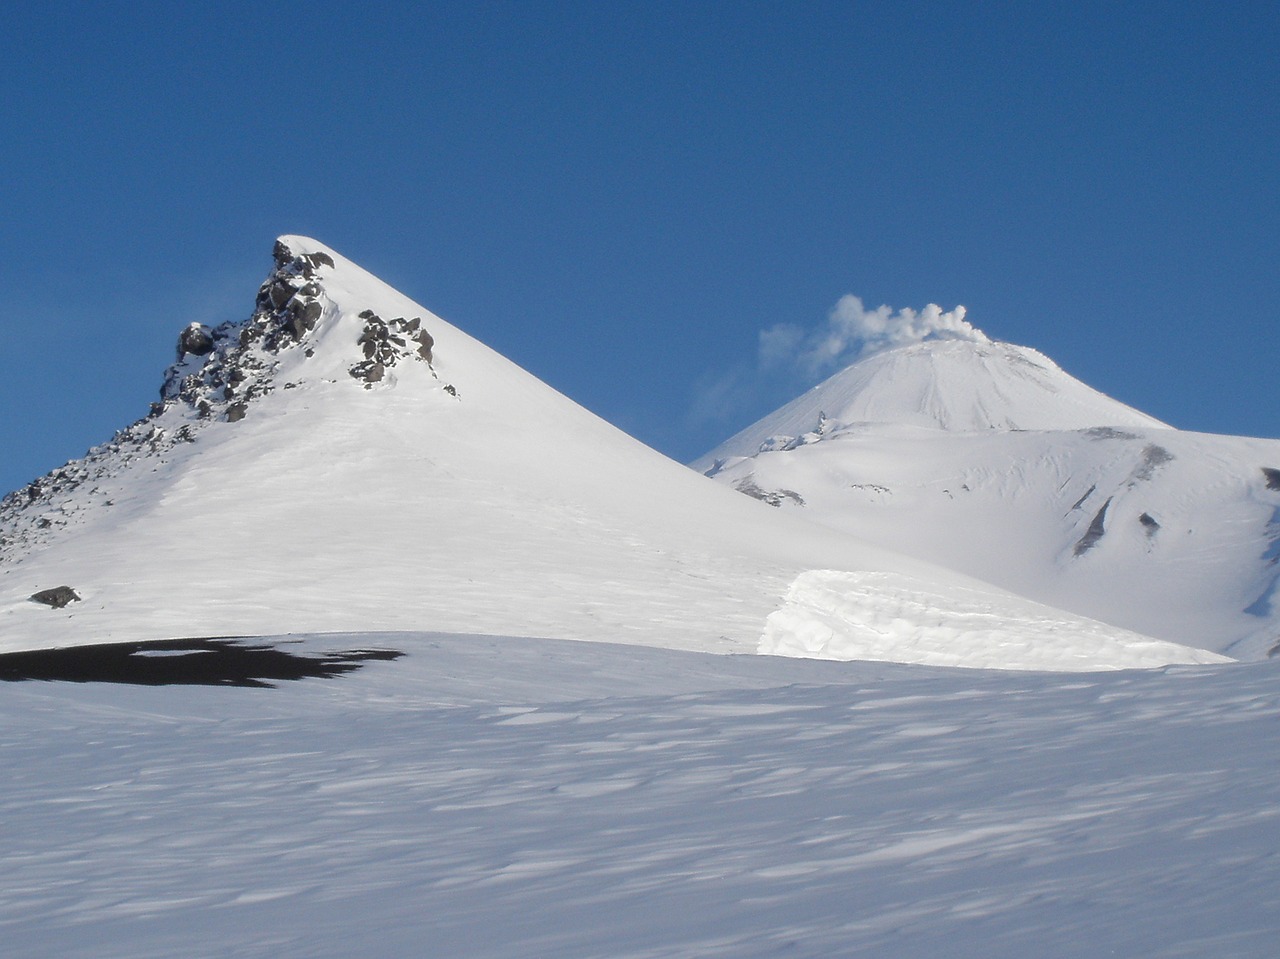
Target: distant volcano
[
  {"x": 959, "y": 385},
  {"x": 987, "y": 458}
]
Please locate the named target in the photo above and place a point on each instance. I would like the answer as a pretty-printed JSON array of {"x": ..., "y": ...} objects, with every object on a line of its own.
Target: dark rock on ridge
[
  {"x": 1097, "y": 529},
  {"x": 196, "y": 340},
  {"x": 57, "y": 597},
  {"x": 385, "y": 343}
]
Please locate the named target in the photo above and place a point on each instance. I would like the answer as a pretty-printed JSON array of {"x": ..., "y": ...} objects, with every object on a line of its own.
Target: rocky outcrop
[
  {"x": 386, "y": 342},
  {"x": 776, "y": 497},
  {"x": 56, "y": 598},
  {"x": 218, "y": 375},
  {"x": 195, "y": 340},
  {"x": 221, "y": 371},
  {"x": 1097, "y": 529}
]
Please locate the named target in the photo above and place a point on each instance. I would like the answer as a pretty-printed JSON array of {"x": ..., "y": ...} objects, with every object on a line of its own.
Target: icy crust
[
  {"x": 218, "y": 376},
  {"x": 893, "y": 617}
]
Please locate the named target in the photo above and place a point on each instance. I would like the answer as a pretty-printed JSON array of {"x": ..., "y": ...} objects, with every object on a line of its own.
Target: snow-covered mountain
[
  {"x": 346, "y": 460},
  {"x": 989, "y": 459}
]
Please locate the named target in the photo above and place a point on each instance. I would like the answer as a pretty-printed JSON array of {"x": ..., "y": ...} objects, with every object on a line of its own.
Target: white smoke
[{"x": 852, "y": 331}]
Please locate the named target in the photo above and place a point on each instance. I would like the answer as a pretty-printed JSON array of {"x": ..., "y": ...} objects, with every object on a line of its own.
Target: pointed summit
[
  {"x": 956, "y": 385},
  {"x": 343, "y": 459},
  {"x": 220, "y": 372}
]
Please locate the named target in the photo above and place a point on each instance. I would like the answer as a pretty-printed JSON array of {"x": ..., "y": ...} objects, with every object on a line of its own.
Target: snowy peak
[
  {"x": 220, "y": 372},
  {"x": 320, "y": 323},
  {"x": 955, "y": 385}
]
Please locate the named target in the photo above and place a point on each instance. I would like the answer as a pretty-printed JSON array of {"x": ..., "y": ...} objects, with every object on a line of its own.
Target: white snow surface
[
  {"x": 496, "y": 796},
  {"x": 513, "y": 798},
  {"x": 1168, "y": 533},
  {"x": 498, "y": 508},
  {"x": 958, "y": 385}
]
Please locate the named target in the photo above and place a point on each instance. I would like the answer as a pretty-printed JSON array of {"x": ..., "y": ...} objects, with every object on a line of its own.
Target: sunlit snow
[{"x": 526, "y": 798}]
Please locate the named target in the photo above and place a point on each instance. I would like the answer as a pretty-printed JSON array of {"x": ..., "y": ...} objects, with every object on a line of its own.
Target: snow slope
[
  {"x": 987, "y": 459},
  {"x": 503, "y": 798},
  {"x": 346, "y": 460},
  {"x": 961, "y": 385}
]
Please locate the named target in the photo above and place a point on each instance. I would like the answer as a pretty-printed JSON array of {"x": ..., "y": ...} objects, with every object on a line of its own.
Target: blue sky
[{"x": 620, "y": 197}]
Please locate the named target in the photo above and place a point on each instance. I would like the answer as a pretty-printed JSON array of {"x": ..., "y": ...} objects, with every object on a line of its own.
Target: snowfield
[
  {"x": 508, "y": 798},
  {"x": 347, "y": 477}
]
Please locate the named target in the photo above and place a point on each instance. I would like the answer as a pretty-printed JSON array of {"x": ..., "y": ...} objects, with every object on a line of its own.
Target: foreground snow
[{"x": 529, "y": 798}]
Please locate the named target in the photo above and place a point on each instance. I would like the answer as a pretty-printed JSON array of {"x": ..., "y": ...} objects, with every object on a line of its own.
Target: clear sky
[{"x": 621, "y": 197}]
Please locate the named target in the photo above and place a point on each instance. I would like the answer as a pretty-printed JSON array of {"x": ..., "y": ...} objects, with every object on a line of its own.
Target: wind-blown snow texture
[
  {"x": 517, "y": 798},
  {"x": 988, "y": 459},
  {"x": 346, "y": 460}
]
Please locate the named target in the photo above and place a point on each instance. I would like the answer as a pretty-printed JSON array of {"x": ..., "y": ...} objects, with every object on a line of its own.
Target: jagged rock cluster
[
  {"x": 218, "y": 374},
  {"x": 221, "y": 371},
  {"x": 386, "y": 342}
]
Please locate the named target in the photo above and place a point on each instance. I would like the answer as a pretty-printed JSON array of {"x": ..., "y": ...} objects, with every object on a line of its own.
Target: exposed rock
[
  {"x": 776, "y": 497},
  {"x": 1149, "y": 523},
  {"x": 195, "y": 340},
  {"x": 279, "y": 293},
  {"x": 1153, "y": 457},
  {"x": 1108, "y": 433},
  {"x": 1095, "y": 531},
  {"x": 57, "y": 597},
  {"x": 219, "y": 374},
  {"x": 371, "y": 371},
  {"x": 1087, "y": 493},
  {"x": 385, "y": 343},
  {"x": 1272, "y": 476}
]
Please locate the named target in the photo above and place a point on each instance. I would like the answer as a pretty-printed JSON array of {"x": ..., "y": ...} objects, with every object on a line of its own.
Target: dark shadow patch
[
  {"x": 1272, "y": 477},
  {"x": 185, "y": 662}
]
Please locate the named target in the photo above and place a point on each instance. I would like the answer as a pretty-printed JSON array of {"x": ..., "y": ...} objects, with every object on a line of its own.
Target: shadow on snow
[{"x": 198, "y": 662}]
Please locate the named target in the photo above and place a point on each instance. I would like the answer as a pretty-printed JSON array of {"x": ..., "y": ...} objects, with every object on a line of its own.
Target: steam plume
[{"x": 852, "y": 331}]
